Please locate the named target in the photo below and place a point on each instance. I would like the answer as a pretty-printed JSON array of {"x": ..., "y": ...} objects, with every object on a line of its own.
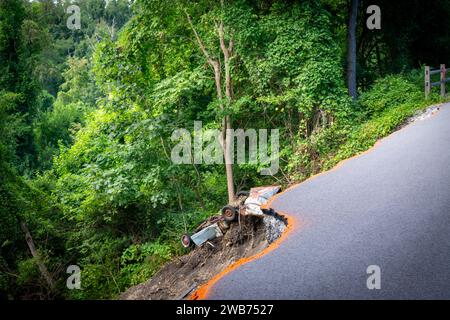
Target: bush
[
  {"x": 381, "y": 110},
  {"x": 390, "y": 102},
  {"x": 139, "y": 262},
  {"x": 389, "y": 92}
]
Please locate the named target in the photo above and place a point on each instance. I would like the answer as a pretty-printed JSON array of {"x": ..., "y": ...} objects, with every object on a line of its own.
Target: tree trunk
[
  {"x": 228, "y": 161},
  {"x": 227, "y": 52},
  {"x": 351, "y": 49},
  {"x": 226, "y": 138},
  {"x": 35, "y": 254}
]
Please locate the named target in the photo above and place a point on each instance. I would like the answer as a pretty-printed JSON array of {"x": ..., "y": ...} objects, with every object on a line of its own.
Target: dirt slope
[{"x": 180, "y": 277}]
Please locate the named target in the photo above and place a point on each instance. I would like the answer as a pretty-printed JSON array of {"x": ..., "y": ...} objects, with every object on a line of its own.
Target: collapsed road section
[{"x": 242, "y": 230}]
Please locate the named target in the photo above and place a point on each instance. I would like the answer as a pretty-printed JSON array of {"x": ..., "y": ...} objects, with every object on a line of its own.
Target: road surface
[{"x": 389, "y": 207}]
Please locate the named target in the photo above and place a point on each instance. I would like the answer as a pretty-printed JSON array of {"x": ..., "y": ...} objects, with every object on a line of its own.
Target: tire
[
  {"x": 229, "y": 213},
  {"x": 186, "y": 241},
  {"x": 242, "y": 194}
]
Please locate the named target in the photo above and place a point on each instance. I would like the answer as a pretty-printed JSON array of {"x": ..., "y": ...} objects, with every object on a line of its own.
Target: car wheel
[
  {"x": 229, "y": 213},
  {"x": 186, "y": 241}
]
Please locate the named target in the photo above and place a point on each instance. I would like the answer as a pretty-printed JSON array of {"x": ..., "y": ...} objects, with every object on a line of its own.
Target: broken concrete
[{"x": 275, "y": 225}]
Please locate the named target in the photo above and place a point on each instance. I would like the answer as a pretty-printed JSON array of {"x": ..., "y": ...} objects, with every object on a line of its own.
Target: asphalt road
[{"x": 389, "y": 207}]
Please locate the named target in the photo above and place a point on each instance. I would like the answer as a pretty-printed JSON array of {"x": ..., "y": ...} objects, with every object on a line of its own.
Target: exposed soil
[{"x": 183, "y": 275}]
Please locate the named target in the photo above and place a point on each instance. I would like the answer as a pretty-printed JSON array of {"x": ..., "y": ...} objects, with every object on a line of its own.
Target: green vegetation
[
  {"x": 389, "y": 103},
  {"x": 378, "y": 112},
  {"x": 86, "y": 119}
]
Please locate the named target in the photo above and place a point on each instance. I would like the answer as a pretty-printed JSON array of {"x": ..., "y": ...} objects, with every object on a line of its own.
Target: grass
[{"x": 364, "y": 136}]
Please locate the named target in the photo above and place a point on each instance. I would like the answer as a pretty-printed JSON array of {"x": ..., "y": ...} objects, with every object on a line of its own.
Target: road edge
[{"x": 203, "y": 291}]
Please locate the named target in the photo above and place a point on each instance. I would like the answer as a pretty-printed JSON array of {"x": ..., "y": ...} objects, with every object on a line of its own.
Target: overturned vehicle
[{"x": 247, "y": 203}]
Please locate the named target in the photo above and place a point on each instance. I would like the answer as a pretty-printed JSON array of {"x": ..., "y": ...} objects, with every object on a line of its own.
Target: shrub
[
  {"x": 381, "y": 111},
  {"x": 389, "y": 92}
]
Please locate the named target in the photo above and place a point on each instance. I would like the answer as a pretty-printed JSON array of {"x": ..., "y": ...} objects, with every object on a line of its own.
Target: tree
[
  {"x": 227, "y": 52},
  {"x": 351, "y": 48},
  {"x": 31, "y": 245}
]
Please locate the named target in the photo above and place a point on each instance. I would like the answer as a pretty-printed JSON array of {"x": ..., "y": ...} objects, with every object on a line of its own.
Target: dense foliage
[{"x": 87, "y": 116}]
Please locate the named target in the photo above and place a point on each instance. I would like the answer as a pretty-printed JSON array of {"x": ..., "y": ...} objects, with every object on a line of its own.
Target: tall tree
[
  {"x": 215, "y": 64},
  {"x": 351, "y": 49}
]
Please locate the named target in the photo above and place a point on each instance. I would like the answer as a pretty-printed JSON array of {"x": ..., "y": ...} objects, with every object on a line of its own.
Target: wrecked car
[{"x": 246, "y": 203}]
